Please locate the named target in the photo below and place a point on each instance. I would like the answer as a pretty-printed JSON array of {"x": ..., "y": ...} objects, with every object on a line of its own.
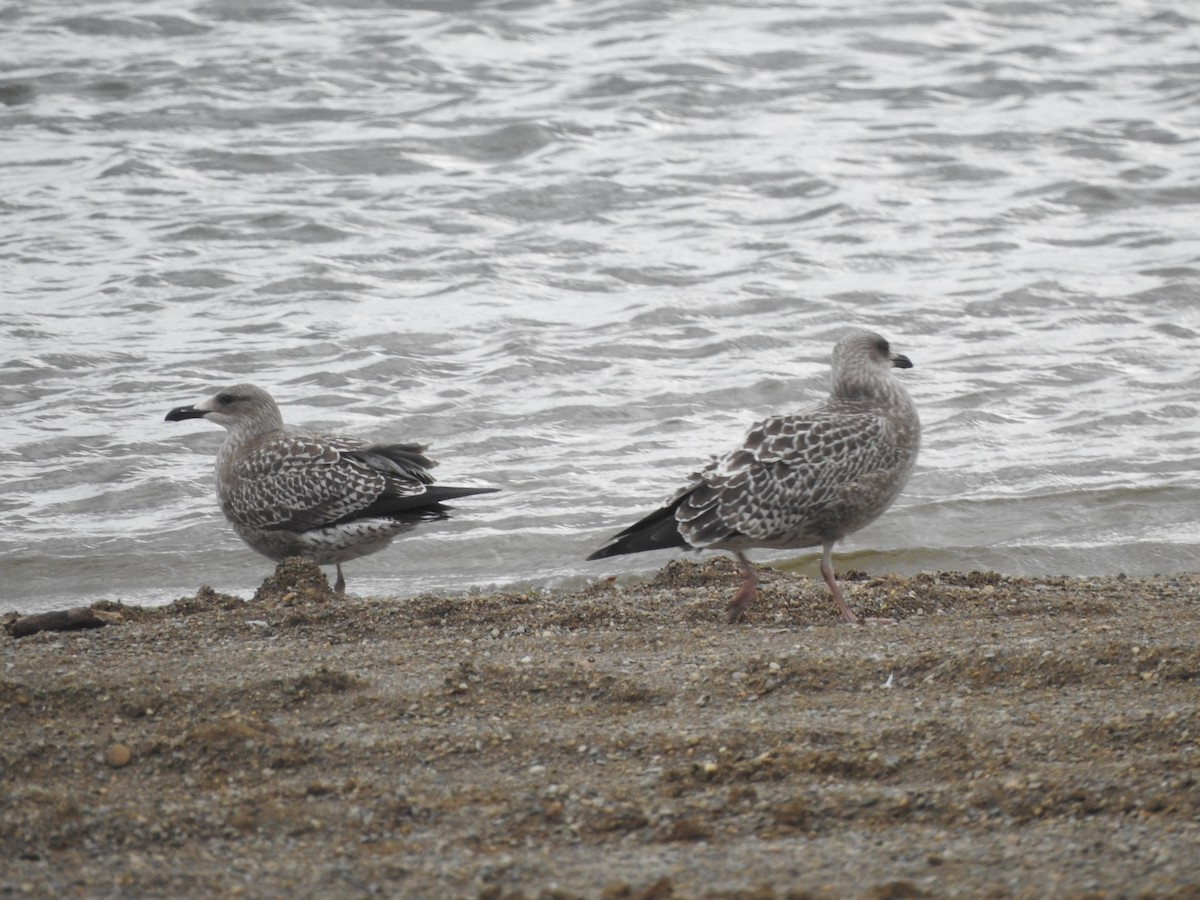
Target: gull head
[{"x": 238, "y": 408}]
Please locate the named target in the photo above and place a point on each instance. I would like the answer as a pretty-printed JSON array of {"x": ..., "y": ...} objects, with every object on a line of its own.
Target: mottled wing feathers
[
  {"x": 793, "y": 481},
  {"x": 788, "y": 482},
  {"x": 298, "y": 483}
]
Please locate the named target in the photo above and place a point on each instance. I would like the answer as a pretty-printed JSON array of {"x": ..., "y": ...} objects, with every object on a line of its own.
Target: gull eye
[
  {"x": 883, "y": 347},
  {"x": 225, "y": 399}
]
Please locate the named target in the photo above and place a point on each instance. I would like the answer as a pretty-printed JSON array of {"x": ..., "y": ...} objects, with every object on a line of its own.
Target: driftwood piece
[{"x": 60, "y": 620}]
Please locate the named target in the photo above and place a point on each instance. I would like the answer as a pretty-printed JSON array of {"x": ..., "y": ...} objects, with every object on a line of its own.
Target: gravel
[{"x": 999, "y": 737}]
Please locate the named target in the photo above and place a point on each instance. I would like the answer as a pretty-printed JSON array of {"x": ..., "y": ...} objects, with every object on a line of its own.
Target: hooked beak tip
[{"x": 179, "y": 413}]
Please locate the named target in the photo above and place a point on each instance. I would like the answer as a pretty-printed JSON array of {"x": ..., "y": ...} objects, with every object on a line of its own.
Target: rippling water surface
[{"x": 577, "y": 248}]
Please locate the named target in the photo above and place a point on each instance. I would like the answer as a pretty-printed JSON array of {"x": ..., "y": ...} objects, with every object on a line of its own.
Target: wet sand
[{"x": 1004, "y": 737}]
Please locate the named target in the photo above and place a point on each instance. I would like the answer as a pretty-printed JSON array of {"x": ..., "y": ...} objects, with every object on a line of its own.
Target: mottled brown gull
[
  {"x": 326, "y": 497},
  {"x": 801, "y": 480}
]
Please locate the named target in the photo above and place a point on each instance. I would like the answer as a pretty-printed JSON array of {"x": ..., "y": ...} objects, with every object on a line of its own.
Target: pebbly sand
[{"x": 1006, "y": 737}]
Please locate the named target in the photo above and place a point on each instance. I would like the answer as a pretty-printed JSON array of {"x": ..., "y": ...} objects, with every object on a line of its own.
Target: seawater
[{"x": 579, "y": 247}]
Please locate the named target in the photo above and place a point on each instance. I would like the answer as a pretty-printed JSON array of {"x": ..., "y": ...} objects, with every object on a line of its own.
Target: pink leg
[
  {"x": 339, "y": 586},
  {"x": 844, "y": 610},
  {"x": 737, "y": 607}
]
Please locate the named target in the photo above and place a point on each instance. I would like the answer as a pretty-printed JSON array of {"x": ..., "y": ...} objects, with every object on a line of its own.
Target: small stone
[
  {"x": 692, "y": 828},
  {"x": 118, "y": 756}
]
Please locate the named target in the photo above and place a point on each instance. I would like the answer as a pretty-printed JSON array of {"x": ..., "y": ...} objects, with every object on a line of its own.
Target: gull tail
[
  {"x": 657, "y": 531},
  {"x": 427, "y": 504}
]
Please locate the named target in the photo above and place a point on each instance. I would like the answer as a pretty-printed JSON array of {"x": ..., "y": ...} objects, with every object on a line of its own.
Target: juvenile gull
[
  {"x": 326, "y": 497},
  {"x": 798, "y": 481}
]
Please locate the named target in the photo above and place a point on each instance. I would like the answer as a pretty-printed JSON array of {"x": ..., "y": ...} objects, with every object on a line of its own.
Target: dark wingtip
[
  {"x": 900, "y": 361},
  {"x": 453, "y": 493},
  {"x": 179, "y": 413}
]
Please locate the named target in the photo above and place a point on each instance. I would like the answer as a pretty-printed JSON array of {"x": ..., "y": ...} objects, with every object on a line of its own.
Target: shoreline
[{"x": 1004, "y": 737}]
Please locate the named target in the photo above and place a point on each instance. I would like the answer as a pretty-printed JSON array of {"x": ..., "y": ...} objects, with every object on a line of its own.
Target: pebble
[{"x": 117, "y": 756}]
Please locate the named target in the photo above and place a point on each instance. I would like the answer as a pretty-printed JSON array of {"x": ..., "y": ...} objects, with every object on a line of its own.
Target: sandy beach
[{"x": 1000, "y": 737}]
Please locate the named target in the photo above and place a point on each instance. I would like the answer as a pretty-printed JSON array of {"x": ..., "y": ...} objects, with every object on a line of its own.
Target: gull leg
[
  {"x": 737, "y": 607},
  {"x": 844, "y": 610},
  {"x": 339, "y": 586}
]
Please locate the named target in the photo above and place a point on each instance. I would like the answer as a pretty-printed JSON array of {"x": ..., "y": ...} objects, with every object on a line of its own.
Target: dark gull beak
[
  {"x": 899, "y": 361},
  {"x": 179, "y": 413}
]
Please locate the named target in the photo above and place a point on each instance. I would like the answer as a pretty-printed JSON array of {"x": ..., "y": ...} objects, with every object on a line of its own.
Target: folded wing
[{"x": 299, "y": 483}]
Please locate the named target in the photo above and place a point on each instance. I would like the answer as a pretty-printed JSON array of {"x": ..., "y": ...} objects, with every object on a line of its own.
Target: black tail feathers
[
  {"x": 657, "y": 531},
  {"x": 428, "y": 504}
]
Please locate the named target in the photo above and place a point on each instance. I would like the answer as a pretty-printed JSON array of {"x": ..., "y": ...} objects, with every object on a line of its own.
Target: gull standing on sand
[
  {"x": 326, "y": 497},
  {"x": 798, "y": 481}
]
